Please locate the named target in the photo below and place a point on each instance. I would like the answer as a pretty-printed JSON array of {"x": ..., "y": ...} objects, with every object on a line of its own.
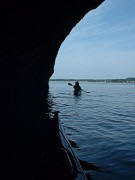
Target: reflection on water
[{"x": 101, "y": 124}]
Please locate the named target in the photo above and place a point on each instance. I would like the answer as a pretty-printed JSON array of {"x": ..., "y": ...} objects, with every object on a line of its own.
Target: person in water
[{"x": 77, "y": 88}]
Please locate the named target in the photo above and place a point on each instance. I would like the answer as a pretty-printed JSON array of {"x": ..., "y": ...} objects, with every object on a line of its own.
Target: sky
[{"x": 101, "y": 45}]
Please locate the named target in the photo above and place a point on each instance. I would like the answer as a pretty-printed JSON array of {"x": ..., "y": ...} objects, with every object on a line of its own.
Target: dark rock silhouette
[{"x": 31, "y": 33}]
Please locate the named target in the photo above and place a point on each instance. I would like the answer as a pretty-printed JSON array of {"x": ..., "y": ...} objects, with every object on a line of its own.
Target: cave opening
[{"x": 97, "y": 47}]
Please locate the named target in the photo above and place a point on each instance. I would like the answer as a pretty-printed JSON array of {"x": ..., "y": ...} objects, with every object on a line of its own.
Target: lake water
[{"x": 102, "y": 124}]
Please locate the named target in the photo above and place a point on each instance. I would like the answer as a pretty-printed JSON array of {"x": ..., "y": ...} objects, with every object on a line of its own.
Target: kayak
[{"x": 73, "y": 169}]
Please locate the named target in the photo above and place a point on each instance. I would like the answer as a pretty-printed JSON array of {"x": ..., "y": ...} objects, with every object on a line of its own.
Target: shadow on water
[
  {"x": 77, "y": 97},
  {"x": 86, "y": 165},
  {"x": 74, "y": 144},
  {"x": 89, "y": 166}
]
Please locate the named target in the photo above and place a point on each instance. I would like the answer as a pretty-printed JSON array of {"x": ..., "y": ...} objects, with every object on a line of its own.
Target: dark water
[{"x": 102, "y": 124}]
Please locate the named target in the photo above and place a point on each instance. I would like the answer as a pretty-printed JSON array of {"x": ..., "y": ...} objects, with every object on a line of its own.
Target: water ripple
[{"x": 102, "y": 124}]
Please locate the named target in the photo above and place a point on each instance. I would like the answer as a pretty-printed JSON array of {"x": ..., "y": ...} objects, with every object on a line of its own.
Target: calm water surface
[{"x": 102, "y": 123}]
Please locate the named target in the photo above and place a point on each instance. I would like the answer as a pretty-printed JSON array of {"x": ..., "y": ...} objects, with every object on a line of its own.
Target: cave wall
[{"x": 30, "y": 36}]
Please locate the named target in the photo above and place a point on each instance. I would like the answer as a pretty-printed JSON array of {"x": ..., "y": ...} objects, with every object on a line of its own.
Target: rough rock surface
[{"x": 30, "y": 36}]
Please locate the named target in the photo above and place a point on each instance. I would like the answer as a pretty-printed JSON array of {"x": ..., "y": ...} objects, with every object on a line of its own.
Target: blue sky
[{"x": 101, "y": 45}]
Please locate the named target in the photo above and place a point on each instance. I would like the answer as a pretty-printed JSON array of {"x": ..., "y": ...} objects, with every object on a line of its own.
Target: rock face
[{"x": 30, "y": 36}]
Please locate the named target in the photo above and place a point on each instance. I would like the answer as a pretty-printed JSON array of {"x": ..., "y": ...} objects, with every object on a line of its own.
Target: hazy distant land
[{"x": 127, "y": 80}]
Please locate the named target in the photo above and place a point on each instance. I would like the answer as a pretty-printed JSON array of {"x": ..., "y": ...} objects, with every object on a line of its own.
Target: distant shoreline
[{"x": 127, "y": 80}]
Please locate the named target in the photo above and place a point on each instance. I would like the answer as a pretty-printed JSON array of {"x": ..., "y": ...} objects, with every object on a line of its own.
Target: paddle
[
  {"x": 70, "y": 84},
  {"x": 81, "y": 89}
]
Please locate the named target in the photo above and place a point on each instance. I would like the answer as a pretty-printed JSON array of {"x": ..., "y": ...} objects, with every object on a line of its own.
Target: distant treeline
[{"x": 127, "y": 80}]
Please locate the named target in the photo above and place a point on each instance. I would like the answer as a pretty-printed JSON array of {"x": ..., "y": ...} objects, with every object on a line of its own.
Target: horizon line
[{"x": 73, "y": 79}]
